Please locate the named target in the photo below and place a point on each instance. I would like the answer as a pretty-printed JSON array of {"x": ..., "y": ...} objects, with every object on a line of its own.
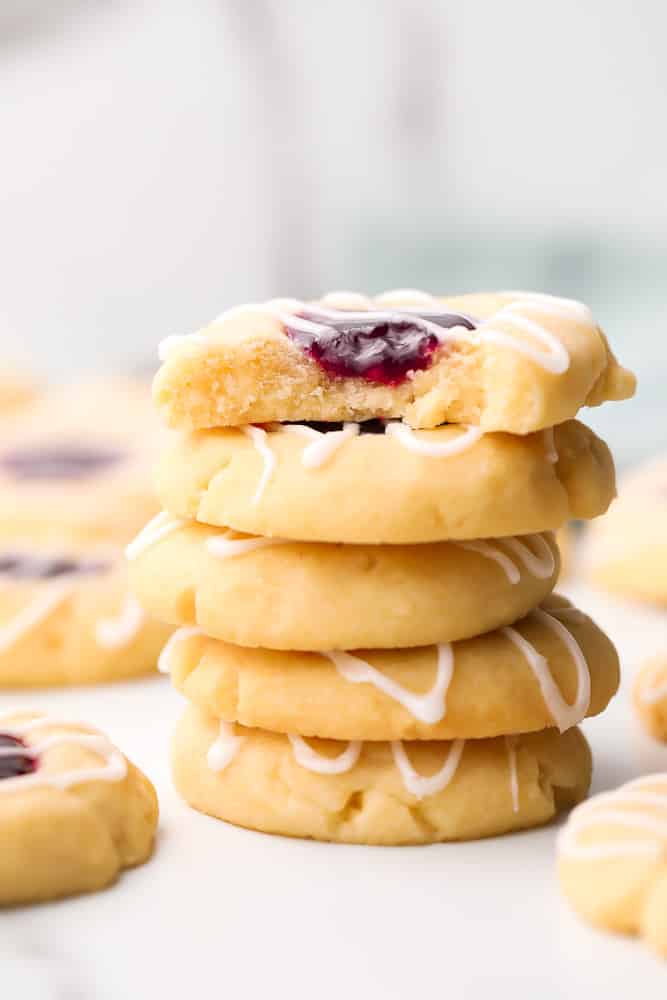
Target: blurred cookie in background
[
  {"x": 17, "y": 389},
  {"x": 625, "y": 551},
  {"x": 611, "y": 860},
  {"x": 650, "y": 696},
  {"x": 78, "y": 464},
  {"x": 68, "y": 617}
]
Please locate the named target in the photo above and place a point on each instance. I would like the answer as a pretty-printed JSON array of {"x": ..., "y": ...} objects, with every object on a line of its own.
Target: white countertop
[{"x": 224, "y": 912}]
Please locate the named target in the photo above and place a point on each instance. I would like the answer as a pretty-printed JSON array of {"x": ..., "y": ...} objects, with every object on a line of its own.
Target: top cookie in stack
[
  {"x": 511, "y": 361},
  {"x": 306, "y": 520}
]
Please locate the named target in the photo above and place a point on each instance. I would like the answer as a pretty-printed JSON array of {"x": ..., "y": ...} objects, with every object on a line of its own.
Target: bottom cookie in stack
[
  {"x": 384, "y": 793},
  {"x": 394, "y": 746}
]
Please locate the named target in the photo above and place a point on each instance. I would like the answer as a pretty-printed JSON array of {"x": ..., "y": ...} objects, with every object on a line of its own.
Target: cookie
[
  {"x": 16, "y": 390},
  {"x": 77, "y": 465},
  {"x": 510, "y": 361},
  {"x": 395, "y": 486},
  {"x": 650, "y": 697},
  {"x": 612, "y": 860},
  {"x": 553, "y": 668},
  {"x": 68, "y": 617},
  {"x": 626, "y": 551},
  {"x": 256, "y": 591},
  {"x": 74, "y": 812},
  {"x": 376, "y": 793}
]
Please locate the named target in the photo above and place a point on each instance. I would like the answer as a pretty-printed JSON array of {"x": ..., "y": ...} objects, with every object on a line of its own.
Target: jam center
[
  {"x": 29, "y": 566},
  {"x": 65, "y": 461},
  {"x": 14, "y": 764},
  {"x": 378, "y": 349},
  {"x": 325, "y": 427}
]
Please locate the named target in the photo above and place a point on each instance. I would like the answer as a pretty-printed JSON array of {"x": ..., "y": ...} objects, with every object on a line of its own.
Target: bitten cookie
[
  {"x": 267, "y": 592},
  {"x": 509, "y": 361},
  {"x": 77, "y": 465},
  {"x": 612, "y": 860},
  {"x": 553, "y": 668},
  {"x": 626, "y": 551},
  {"x": 74, "y": 811},
  {"x": 650, "y": 696},
  {"x": 450, "y": 483},
  {"x": 67, "y": 617},
  {"x": 377, "y": 793}
]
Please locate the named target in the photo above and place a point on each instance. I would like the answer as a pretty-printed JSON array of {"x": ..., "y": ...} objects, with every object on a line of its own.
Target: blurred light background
[{"x": 162, "y": 159}]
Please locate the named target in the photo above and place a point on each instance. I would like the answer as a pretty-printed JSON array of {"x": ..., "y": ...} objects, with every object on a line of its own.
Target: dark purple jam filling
[
  {"x": 66, "y": 461},
  {"x": 324, "y": 426},
  {"x": 28, "y": 566},
  {"x": 383, "y": 352},
  {"x": 15, "y": 764}
]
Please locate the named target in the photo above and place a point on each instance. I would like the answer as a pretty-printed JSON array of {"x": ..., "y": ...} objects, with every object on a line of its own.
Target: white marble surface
[{"x": 224, "y": 912}]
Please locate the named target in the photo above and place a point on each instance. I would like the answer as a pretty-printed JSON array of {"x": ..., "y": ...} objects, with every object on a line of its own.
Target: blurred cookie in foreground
[
  {"x": 74, "y": 812},
  {"x": 626, "y": 550},
  {"x": 77, "y": 464},
  {"x": 650, "y": 696},
  {"x": 67, "y": 617},
  {"x": 612, "y": 860}
]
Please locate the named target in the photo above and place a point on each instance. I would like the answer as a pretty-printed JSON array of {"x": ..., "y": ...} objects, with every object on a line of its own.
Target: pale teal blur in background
[{"x": 163, "y": 159}]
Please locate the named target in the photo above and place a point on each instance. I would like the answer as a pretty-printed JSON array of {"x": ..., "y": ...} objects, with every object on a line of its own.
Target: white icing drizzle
[
  {"x": 490, "y": 551},
  {"x": 114, "y": 769},
  {"x": 565, "y": 716},
  {"x": 403, "y": 302},
  {"x": 320, "y": 451},
  {"x": 550, "y": 446},
  {"x": 611, "y": 809},
  {"x": 430, "y": 707},
  {"x": 114, "y": 633},
  {"x": 180, "y": 635},
  {"x": 224, "y": 750},
  {"x": 33, "y": 614},
  {"x": 228, "y": 547},
  {"x": 543, "y": 565},
  {"x": 417, "y": 784},
  {"x": 258, "y": 437},
  {"x": 406, "y": 436},
  {"x": 325, "y": 443},
  {"x": 510, "y": 745},
  {"x": 313, "y": 761},
  {"x": 651, "y": 690},
  {"x": 554, "y": 359},
  {"x": 157, "y": 529}
]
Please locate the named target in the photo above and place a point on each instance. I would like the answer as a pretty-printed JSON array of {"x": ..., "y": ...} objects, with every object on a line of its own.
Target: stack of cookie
[{"x": 357, "y": 544}]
